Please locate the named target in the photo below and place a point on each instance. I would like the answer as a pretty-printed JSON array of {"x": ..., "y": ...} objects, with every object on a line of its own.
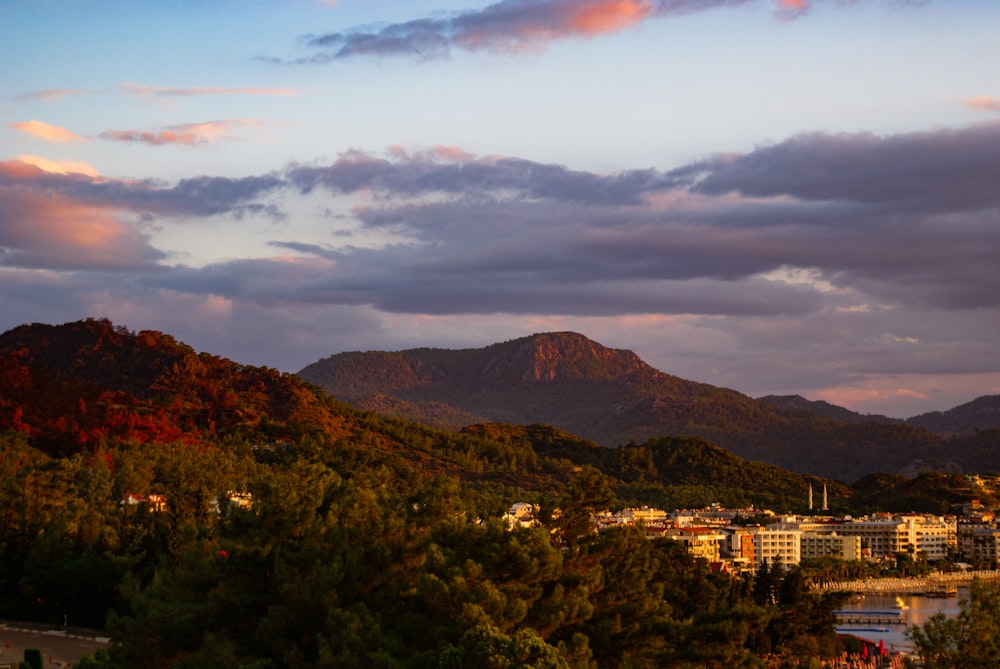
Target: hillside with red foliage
[{"x": 77, "y": 386}]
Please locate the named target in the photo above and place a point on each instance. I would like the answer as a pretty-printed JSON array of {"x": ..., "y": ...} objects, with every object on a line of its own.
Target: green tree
[
  {"x": 486, "y": 647},
  {"x": 970, "y": 640},
  {"x": 589, "y": 494}
]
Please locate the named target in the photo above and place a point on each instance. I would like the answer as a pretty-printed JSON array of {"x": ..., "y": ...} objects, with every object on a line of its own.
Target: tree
[
  {"x": 589, "y": 494},
  {"x": 970, "y": 640},
  {"x": 489, "y": 648},
  {"x": 33, "y": 658}
]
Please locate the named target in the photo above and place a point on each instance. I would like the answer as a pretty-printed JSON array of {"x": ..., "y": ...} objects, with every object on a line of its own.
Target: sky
[{"x": 775, "y": 196}]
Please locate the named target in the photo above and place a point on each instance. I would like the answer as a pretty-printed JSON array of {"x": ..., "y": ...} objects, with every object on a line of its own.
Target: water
[{"x": 917, "y": 610}]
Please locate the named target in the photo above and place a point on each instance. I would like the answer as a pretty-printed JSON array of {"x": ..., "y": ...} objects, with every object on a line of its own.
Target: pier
[
  {"x": 858, "y": 617},
  {"x": 935, "y": 584}
]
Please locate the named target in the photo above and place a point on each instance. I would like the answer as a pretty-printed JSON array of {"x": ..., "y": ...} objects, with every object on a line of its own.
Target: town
[{"x": 739, "y": 540}]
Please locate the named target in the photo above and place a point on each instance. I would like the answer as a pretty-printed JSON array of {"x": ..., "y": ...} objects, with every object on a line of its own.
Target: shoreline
[{"x": 906, "y": 585}]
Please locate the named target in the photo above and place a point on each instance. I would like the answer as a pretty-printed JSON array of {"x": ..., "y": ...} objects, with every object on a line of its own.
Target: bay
[{"x": 916, "y": 610}]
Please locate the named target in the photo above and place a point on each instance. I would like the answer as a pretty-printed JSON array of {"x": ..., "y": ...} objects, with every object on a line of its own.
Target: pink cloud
[
  {"x": 187, "y": 134},
  {"x": 43, "y": 229},
  {"x": 47, "y": 132},
  {"x": 983, "y": 103},
  {"x": 518, "y": 26},
  {"x": 59, "y": 166},
  {"x": 449, "y": 154},
  {"x": 609, "y": 16},
  {"x": 514, "y": 26},
  {"x": 507, "y": 25},
  {"x": 791, "y": 9},
  {"x": 194, "y": 196}
]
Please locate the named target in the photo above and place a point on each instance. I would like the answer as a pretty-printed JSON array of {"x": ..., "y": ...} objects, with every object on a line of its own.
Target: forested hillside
[
  {"x": 212, "y": 514},
  {"x": 983, "y": 413},
  {"x": 800, "y": 404},
  {"x": 611, "y": 397},
  {"x": 76, "y": 386}
]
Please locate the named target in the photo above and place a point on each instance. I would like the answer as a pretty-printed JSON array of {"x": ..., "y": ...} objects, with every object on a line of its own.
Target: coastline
[{"x": 906, "y": 585}]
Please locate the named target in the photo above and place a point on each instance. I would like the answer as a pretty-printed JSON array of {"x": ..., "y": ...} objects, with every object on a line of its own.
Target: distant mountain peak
[{"x": 556, "y": 356}]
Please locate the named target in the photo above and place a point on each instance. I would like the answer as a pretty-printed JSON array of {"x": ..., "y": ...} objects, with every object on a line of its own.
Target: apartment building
[
  {"x": 816, "y": 545},
  {"x": 700, "y": 542},
  {"x": 979, "y": 545},
  {"x": 776, "y": 546},
  {"x": 930, "y": 535}
]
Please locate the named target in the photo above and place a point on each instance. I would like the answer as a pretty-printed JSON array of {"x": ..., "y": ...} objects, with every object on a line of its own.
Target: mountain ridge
[
  {"x": 825, "y": 409},
  {"x": 612, "y": 396},
  {"x": 90, "y": 388},
  {"x": 982, "y": 413}
]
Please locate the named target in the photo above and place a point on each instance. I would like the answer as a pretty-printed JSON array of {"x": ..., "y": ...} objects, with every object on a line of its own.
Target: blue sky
[{"x": 773, "y": 196}]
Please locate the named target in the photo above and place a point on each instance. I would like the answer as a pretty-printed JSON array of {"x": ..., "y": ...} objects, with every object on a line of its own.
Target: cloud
[
  {"x": 879, "y": 250},
  {"x": 518, "y": 26},
  {"x": 789, "y": 10},
  {"x": 841, "y": 223},
  {"x": 792, "y": 9},
  {"x": 64, "y": 216},
  {"x": 61, "y": 234},
  {"x": 195, "y": 196},
  {"x": 50, "y": 94},
  {"x": 505, "y": 26},
  {"x": 59, "y": 166},
  {"x": 983, "y": 103},
  {"x": 447, "y": 170},
  {"x": 904, "y": 219},
  {"x": 47, "y": 132},
  {"x": 946, "y": 170},
  {"x": 187, "y": 134},
  {"x": 46, "y": 229},
  {"x": 145, "y": 91}
]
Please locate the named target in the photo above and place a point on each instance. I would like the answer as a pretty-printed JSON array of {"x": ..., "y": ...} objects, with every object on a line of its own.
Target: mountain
[
  {"x": 78, "y": 386},
  {"x": 607, "y": 395},
  {"x": 824, "y": 409},
  {"x": 611, "y": 396},
  {"x": 89, "y": 386},
  {"x": 980, "y": 414}
]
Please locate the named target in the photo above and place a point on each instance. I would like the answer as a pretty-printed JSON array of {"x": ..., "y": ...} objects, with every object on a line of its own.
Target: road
[{"x": 59, "y": 649}]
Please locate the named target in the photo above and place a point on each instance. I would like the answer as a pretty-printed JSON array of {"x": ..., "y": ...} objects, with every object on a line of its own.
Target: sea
[{"x": 915, "y": 609}]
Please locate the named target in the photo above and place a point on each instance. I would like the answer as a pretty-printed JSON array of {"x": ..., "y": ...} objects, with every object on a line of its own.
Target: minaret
[
  {"x": 825, "y": 505},
  {"x": 810, "y": 496}
]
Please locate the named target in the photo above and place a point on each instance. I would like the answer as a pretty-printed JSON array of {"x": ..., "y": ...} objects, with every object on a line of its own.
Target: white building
[
  {"x": 930, "y": 535},
  {"x": 776, "y": 546}
]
